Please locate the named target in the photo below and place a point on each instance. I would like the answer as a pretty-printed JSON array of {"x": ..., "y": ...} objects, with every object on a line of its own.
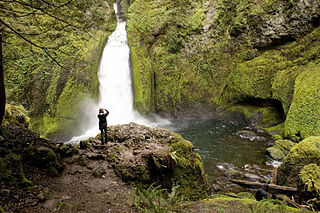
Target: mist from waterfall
[{"x": 116, "y": 92}]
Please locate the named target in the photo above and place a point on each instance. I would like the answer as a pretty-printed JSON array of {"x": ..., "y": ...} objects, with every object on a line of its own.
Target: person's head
[{"x": 101, "y": 110}]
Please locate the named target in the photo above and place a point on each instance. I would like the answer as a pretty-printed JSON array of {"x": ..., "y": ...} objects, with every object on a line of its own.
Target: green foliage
[
  {"x": 73, "y": 34},
  {"x": 223, "y": 203},
  {"x": 309, "y": 186},
  {"x": 310, "y": 176},
  {"x": 155, "y": 199}
]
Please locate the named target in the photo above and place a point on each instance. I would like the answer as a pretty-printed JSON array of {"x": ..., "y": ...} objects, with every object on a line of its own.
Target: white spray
[{"x": 116, "y": 94}]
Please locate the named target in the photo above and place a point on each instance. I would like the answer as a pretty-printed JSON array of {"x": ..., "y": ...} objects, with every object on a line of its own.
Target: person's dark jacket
[{"x": 103, "y": 119}]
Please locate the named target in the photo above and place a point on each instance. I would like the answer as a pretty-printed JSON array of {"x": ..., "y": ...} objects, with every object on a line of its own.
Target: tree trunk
[{"x": 2, "y": 89}]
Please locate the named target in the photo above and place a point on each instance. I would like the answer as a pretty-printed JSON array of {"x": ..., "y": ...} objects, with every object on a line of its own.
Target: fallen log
[
  {"x": 273, "y": 188},
  {"x": 292, "y": 202}
]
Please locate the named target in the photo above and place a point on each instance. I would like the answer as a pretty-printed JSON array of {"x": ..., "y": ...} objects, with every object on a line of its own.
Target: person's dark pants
[{"x": 105, "y": 135}]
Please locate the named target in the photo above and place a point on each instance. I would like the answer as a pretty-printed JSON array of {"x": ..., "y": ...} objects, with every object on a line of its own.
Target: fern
[{"x": 155, "y": 199}]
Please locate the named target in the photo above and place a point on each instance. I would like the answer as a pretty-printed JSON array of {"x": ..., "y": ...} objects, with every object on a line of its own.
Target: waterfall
[{"x": 116, "y": 93}]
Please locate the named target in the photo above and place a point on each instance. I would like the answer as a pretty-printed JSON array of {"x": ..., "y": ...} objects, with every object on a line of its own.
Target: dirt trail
[{"x": 87, "y": 184}]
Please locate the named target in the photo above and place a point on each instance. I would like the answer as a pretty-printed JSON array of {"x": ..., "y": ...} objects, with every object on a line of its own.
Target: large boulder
[
  {"x": 303, "y": 118},
  {"x": 146, "y": 155},
  {"x": 22, "y": 149},
  {"x": 280, "y": 149},
  {"x": 304, "y": 153}
]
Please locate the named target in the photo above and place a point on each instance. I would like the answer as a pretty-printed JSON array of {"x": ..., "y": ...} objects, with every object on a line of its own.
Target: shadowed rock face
[{"x": 146, "y": 155}]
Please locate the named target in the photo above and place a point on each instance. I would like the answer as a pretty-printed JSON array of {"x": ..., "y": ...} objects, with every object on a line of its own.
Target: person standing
[{"x": 103, "y": 113}]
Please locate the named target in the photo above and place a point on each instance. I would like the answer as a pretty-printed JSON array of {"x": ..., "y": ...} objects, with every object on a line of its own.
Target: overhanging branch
[{"x": 45, "y": 49}]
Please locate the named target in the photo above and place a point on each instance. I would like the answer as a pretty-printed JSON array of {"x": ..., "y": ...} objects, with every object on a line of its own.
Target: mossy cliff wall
[
  {"x": 216, "y": 55},
  {"x": 51, "y": 93}
]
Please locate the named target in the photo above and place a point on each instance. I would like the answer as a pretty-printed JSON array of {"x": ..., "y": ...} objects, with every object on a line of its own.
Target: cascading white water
[{"x": 116, "y": 94}]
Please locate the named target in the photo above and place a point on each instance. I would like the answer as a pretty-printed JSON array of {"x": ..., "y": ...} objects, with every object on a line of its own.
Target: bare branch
[
  {"x": 47, "y": 13},
  {"x": 45, "y": 49}
]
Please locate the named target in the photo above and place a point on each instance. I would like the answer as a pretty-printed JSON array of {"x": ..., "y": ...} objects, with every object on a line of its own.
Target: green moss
[
  {"x": 263, "y": 116},
  {"x": 223, "y": 203},
  {"x": 34, "y": 75},
  {"x": 304, "y": 114},
  {"x": 199, "y": 55},
  {"x": 254, "y": 78},
  {"x": 276, "y": 131},
  {"x": 302, "y": 154},
  {"x": 280, "y": 149},
  {"x": 16, "y": 115},
  {"x": 310, "y": 176},
  {"x": 188, "y": 173},
  {"x": 44, "y": 157},
  {"x": 309, "y": 186},
  {"x": 12, "y": 171}
]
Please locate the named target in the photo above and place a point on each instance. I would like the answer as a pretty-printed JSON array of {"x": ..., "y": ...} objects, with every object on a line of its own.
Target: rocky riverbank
[
  {"x": 39, "y": 176},
  {"x": 98, "y": 177}
]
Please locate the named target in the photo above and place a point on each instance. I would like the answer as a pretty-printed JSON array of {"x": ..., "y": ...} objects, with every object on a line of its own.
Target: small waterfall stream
[{"x": 116, "y": 93}]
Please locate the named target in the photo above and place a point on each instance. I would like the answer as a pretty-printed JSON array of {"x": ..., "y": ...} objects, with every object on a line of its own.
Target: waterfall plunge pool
[{"x": 223, "y": 151}]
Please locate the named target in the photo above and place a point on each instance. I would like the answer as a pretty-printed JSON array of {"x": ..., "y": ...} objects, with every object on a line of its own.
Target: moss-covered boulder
[
  {"x": 302, "y": 154},
  {"x": 22, "y": 149},
  {"x": 280, "y": 149},
  {"x": 309, "y": 186},
  {"x": 145, "y": 155},
  {"x": 16, "y": 115},
  {"x": 41, "y": 153},
  {"x": 12, "y": 171},
  {"x": 303, "y": 118}
]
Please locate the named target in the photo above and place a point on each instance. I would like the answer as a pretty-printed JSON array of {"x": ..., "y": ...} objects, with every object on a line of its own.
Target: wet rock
[
  {"x": 250, "y": 135},
  {"x": 280, "y": 149},
  {"x": 95, "y": 156},
  {"x": 82, "y": 160},
  {"x": 232, "y": 174},
  {"x": 99, "y": 172},
  {"x": 85, "y": 145},
  {"x": 252, "y": 177},
  {"x": 66, "y": 150}
]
